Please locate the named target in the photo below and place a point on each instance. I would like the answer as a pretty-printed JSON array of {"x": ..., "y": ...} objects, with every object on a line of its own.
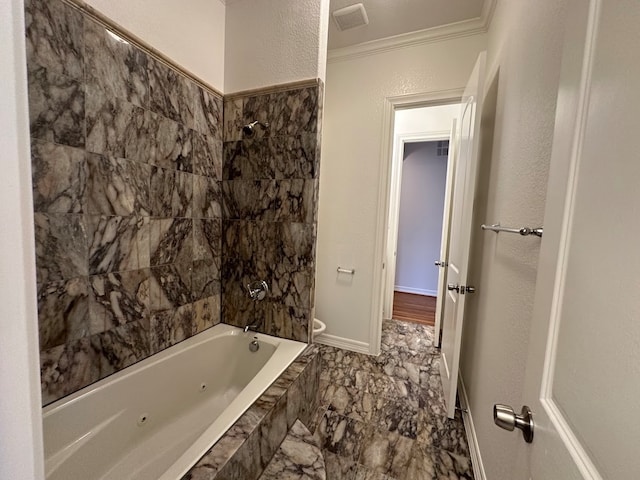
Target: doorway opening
[
  {"x": 419, "y": 198},
  {"x": 420, "y": 213}
]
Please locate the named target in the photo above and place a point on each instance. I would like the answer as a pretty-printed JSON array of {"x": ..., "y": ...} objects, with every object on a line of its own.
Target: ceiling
[{"x": 393, "y": 17}]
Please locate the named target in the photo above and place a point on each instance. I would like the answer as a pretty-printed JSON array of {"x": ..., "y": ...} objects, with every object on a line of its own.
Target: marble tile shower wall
[
  {"x": 127, "y": 170},
  {"x": 270, "y": 190}
]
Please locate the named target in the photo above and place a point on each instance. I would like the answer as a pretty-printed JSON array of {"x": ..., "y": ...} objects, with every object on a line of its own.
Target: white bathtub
[{"x": 154, "y": 420}]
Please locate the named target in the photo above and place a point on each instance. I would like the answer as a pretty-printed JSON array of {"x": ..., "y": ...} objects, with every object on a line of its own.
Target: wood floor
[{"x": 414, "y": 308}]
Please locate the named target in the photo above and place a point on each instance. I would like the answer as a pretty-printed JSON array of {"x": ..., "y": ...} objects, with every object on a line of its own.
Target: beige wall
[
  {"x": 351, "y": 168},
  {"x": 274, "y": 41},
  {"x": 524, "y": 46},
  {"x": 190, "y": 32}
]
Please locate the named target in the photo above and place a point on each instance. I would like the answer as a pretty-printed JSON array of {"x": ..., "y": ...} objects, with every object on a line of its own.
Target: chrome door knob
[
  {"x": 505, "y": 417},
  {"x": 452, "y": 287}
]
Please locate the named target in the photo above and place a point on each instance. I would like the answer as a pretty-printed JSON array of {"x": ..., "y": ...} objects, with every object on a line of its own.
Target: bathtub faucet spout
[{"x": 253, "y": 326}]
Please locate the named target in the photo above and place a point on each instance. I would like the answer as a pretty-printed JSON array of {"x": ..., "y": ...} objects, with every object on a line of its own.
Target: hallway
[
  {"x": 383, "y": 418},
  {"x": 414, "y": 308}
]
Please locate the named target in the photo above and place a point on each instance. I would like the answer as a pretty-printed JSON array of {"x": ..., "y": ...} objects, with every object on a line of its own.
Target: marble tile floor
[
  {"x": 298, "y": 458},
  {"x": 383, "y": 418}
]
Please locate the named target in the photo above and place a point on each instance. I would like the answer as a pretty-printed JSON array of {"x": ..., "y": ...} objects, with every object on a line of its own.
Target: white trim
[
  {"x": 21, "y": 454},
  {"x": 557, "y": 417},
  {"x": 344, "y": 343},
  {"x": 470, "y": 430},
  {"x": 465, "y": 28},
  {"x": 390, "y": 104},
  {"x": 416, "y": 291}
]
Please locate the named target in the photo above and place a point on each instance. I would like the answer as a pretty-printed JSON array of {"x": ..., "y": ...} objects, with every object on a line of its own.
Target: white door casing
[
  {"x": 446, "y": 224},
  {"x": 460, "y": 233},
  {"x": 583, "y": 374}
]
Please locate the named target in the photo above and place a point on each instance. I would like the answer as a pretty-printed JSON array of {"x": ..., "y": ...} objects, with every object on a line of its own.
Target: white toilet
[{"x": 318, "y": 328}]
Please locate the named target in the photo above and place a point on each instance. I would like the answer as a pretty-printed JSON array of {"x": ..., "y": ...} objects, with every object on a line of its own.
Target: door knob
[
  {"x": 469, "y": 289},
  {"x": 452, "y": 287},
  {"x": 505, "y": 417},
  {"x": 440, "y": 264}
]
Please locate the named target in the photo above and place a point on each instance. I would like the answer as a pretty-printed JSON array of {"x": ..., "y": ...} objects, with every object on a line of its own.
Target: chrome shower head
[{"x": 249, "y": 130}]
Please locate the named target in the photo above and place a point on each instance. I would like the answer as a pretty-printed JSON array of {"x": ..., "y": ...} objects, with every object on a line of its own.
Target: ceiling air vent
[{"x": 351, "y": 17}]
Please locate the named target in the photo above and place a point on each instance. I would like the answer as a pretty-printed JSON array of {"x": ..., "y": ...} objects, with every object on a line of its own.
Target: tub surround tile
[
  {"x": 116, "y": 139},
  {"x": 206, "y": 313},
  {"x": 63, "y": 311},
  {"x": 171, "y": 193},
  {"x": 117, "y": 243},
  {"x": 270, "y": 196},
  {"x": 120, "y": 347},
  {"x": 59, "y": 178},
  {"x": 295, "y": 156},
  {"x": 56, "y": 107},
  {"x": 295, "y": 111},
  {"x": 258, "y": 108},
  {"x": 117, "y": 187},
  {"x": 170, "y": 286},
  {"x": 61, "y": 247},
  {"x": 169, "y": 327},
  {"x": 207, "y": 112},
  {"x": 233, "y": 119},
  {"x": 207, "y": 193},
  {"x": 207, "y": 239},
  {"x": 116, "y": 127},
  {"x": 170, "y": 143},
  {"x": 67, "y": 368},
  {"x": 120, "y": 297},
  {"x": 54, "y": 37},
  {"x": 207, "y": 155},
  {"x": 119, "y": 68},
  {"x": 205, "y": 278},
  {"x": 247, "y": 448},
  {"x": 299, "y": 457},
  {"x": 249, "y": 199},
  {"x": 248, "y": 159},
  {"x": 170, "y": 93},
  {"x": 171, "y": 241}
]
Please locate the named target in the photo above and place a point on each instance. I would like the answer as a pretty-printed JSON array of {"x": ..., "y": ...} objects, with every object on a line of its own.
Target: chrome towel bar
[
  {"x": 346, "y": 270},
  {"x": 524, "y": 231}
]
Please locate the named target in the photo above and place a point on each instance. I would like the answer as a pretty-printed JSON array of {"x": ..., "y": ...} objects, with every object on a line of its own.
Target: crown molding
[{"x": 465, "y": 28}]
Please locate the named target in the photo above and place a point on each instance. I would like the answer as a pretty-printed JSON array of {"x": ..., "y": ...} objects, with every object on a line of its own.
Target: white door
[
  {"x": 461, "y": 217},
  {"x": 442, "y": 262},
  {"x": 583, "y": 370}
]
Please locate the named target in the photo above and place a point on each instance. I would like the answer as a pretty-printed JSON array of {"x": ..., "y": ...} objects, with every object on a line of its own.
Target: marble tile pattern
[
  {"x": 283, "y": 411},
  {"x": 383, "y": 418},
  {"x": 298, "y": 458},
  {"x": 270, "y": 193},
  {"x": 127, "y": 185}
]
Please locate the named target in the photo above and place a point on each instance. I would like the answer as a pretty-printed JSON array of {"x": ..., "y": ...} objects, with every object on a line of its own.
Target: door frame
[
  {"x": 393, "y": 224},
  {"x": 390, "y": 105}
]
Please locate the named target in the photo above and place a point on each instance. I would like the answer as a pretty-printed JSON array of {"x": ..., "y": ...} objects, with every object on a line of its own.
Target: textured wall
[
  {"x": 352, "y": 165},
  {"x": 525, "y": 47},
  {"x": 190, "y": 32},
  {"x": 127, "y": 164},
  {"x": 270, "y": 193},
  {"x": 272, "y": 42}
]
